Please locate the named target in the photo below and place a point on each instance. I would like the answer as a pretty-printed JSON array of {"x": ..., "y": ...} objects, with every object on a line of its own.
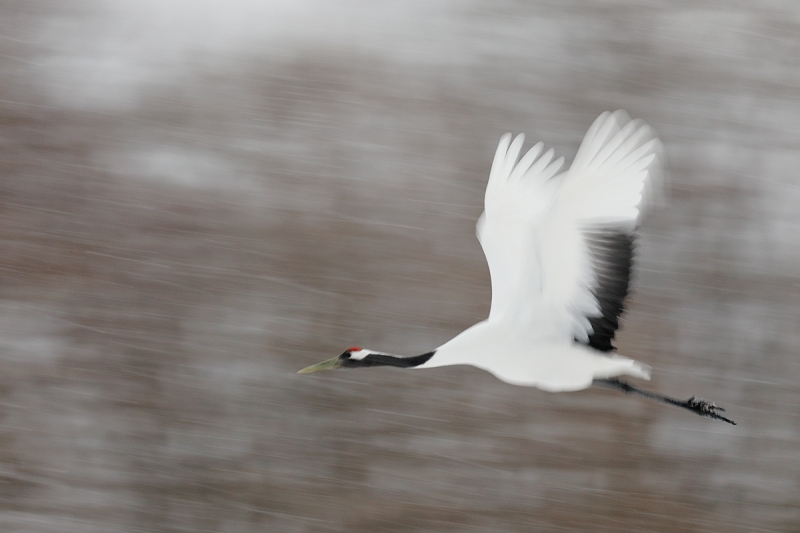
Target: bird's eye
[{"x": 345, "y": 355}]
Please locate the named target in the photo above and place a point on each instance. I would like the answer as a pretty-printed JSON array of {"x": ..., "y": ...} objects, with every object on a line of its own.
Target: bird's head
[{"x": 353, "y": 353}]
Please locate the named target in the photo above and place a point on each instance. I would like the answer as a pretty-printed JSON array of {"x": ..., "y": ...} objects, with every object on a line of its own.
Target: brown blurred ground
[{"x": 183, "y": 226}]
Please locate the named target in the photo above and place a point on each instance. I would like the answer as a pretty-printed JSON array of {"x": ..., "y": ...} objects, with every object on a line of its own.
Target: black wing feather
[{"x": 612, "y": 260}]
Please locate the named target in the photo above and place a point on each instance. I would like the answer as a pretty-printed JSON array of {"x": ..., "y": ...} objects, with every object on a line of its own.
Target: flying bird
[{"x": 559, "y": 248}]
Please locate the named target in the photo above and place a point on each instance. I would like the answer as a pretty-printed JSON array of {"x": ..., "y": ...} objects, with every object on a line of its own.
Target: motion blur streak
[{"x": 199, "y": 198}]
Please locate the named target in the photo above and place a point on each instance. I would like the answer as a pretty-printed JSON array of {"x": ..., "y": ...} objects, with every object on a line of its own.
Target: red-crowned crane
[{"x": 560, "y": 249}]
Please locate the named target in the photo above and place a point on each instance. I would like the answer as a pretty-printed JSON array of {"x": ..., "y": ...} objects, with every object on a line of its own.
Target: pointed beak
[{"x": 334, "y": 362}]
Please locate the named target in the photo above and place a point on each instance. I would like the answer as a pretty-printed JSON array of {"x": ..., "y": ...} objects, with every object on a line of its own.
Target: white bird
[{"x": 559, "y": 248}]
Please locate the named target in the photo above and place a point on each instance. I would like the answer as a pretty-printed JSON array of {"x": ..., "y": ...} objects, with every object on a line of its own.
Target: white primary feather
[{"x": 549, "y": 241}]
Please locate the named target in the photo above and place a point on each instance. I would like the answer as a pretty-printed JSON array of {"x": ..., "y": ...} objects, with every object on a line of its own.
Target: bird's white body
[
  {"x": 546, "y": 362},
  {"x": 558, "y": 248}
]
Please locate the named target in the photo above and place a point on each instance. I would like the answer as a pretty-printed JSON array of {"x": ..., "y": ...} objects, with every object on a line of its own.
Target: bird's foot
[{"x": 707, "y": 409}]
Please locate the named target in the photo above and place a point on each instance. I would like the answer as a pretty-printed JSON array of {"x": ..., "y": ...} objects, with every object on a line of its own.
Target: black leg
[{"x": 701, "y": 407}]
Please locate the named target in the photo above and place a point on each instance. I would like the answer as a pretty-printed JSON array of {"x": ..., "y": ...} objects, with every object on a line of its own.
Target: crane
[{"x": 560, "y": 249}]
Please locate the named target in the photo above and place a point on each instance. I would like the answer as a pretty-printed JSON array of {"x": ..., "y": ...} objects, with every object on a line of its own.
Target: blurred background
[{"x": 199, "y": 198}]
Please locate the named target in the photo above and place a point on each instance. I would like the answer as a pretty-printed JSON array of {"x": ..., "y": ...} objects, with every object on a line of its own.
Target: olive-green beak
[{"x": 334, "y": 362}]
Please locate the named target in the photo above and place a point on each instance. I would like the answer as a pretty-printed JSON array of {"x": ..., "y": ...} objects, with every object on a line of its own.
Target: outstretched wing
[{"x": 560, "y": 247}]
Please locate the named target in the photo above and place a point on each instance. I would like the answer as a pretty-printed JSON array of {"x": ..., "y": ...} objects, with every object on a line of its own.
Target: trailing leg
[{"x": 700, "y": 407}]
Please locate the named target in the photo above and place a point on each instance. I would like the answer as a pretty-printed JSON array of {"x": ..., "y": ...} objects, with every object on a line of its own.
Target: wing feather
[
  {"x": 560, "y": 246},
  {"x": 526, "y": 162}
]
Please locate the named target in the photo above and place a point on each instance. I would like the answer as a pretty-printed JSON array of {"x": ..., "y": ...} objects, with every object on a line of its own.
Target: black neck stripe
[{"x": 382, "y": 359}]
